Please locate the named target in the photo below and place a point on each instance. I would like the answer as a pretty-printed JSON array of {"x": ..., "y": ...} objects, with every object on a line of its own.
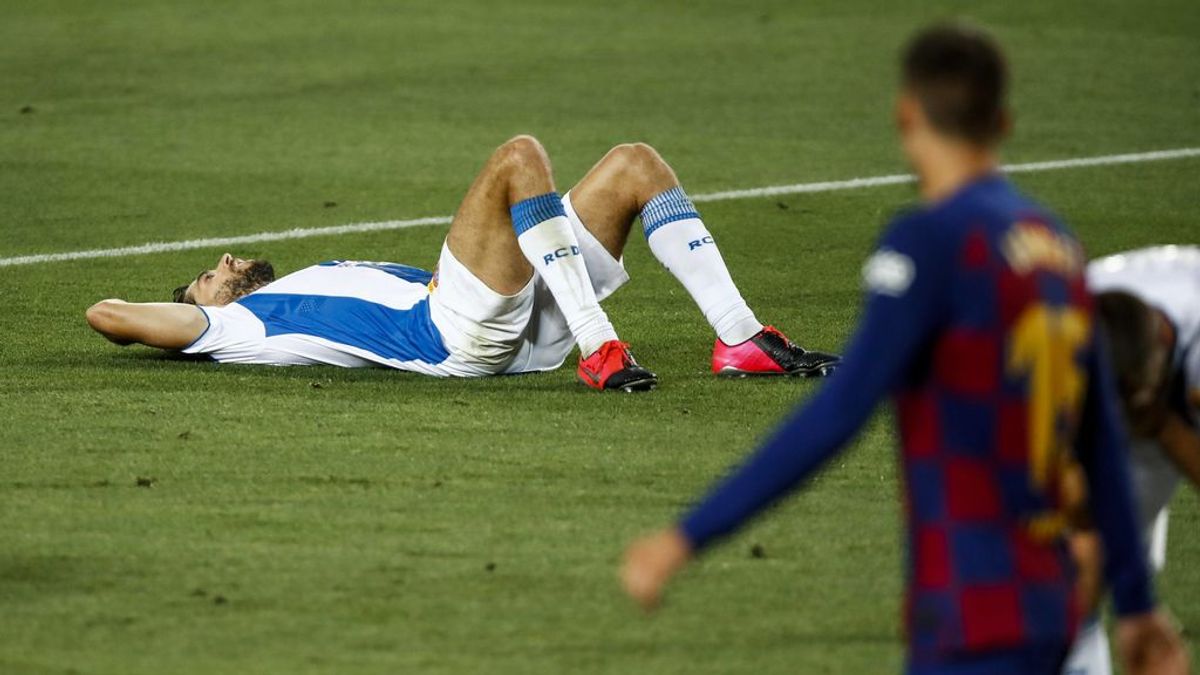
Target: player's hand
[
  {"x": 1088, "y": 552},
  {"x": 1150, "y": 645},
  {"x": 650, "y": 562}
]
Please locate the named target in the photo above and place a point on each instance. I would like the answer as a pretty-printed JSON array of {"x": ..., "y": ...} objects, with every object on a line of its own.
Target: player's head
[
  {"x": 1140, "y": 341},
  {"x": 229, "y": 280},
  {"x": 953, "y": 88}
]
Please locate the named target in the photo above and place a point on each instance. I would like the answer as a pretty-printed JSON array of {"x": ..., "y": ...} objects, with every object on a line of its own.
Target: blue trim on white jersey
[
  {"x": 528, "y": 213},
  {"x": 400, "y": 334},
  {"x": 207, "y": 326},
  {"x": 405, "y": 272}
]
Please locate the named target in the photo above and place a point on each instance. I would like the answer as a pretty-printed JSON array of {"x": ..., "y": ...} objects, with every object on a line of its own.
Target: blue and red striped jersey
[{"x": 978, "y": 324}]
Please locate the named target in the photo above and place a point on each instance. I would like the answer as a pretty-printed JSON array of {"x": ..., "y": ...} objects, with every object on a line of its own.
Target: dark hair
[
  {"x": 1132, "y": 333},
  {"x": 959, "y": 75},
  {"x": 1129, "y": 325},
  {"x": 180, "y": 294}
]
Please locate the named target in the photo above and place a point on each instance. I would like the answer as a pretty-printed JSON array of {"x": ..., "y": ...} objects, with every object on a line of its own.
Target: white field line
[
  {"x": 212, "y": 242},
  {"x": 857, "y": 183},
  {"x": 353, "y": 228}
]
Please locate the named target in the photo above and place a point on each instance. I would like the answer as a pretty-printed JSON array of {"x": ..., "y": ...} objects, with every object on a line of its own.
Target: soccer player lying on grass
[
  {"x": 1148, "y": 303},
  {"x": 979, "y": 322},
  {"x": 518, "y": 285}
]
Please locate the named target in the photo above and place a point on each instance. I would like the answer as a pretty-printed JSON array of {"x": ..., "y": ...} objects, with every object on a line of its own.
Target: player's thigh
[
  {"x": 483, "y": 329},
  {"x": 606, "y": 208},
  {"x": 607, "y": 271},
  {"x": 609, "y": 198},
  {"x": 481, "y": 235}
]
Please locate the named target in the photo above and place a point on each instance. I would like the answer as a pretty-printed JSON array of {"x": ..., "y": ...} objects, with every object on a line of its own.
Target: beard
[{"x": 257, "y": 274}]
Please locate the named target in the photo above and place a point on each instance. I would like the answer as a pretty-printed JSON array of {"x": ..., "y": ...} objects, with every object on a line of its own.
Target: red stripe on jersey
[
  {"x": 971, "y": 490},
  {"x": 932, "y": 558},
  {"x": 1012, "y": 432},
  {"x": 920, "y": 428},
  {"x": 975, "y": 251},
  {"x": 968, "y": 362},
  {"x": 1037, "y": 562},
  {"x": 991, "y": 615},
  {"x": 1015, "y": 292}
]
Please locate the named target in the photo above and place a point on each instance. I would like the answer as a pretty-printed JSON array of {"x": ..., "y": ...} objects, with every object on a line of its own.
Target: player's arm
[
  {"x": 1102, "y": 449},
  {"x": 1087, "y": 552},
  {"x": 1147, "y": 641},
  {"x": 905, "y": 280},
  {"x": 1181, "y": 442},
  {"x": 166, "y": 325}
]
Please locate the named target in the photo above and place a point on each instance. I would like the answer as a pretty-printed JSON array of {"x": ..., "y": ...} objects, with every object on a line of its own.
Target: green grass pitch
[{"x": 158, "y": 516}]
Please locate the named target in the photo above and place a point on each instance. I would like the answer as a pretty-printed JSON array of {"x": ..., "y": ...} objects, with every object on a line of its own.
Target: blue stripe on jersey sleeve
[
  {"x": 405, "y": 272},
  {"x": 401, "y": 334}
]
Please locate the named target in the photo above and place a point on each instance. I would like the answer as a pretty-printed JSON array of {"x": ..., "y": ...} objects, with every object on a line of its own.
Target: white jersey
[
  {"x": 342, "y": 313},
  {"x": 1168, "y": 279}
]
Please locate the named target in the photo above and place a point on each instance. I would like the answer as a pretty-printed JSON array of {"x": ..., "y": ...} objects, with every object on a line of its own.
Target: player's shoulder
[
  {"x": 1166, "y": 276},
  {"x": 1153, "y": 258},
  {"x": 227, "y": 326},
  {"x": 912, "y": 245},
  {"x": 923, "y": 230},
  {"x": 234, "y": 312},
  {"x": 915, "y": 225},
  {"x": 983, "y": 197},
  {"x": 991, "y": 206}
]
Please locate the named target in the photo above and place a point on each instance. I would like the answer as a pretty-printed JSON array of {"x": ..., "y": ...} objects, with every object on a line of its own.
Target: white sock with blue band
[
  {"x": 681, "y": 242},
  {"x": 549, "y": 244}
]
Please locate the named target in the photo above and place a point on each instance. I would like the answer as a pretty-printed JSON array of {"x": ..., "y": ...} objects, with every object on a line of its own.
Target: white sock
[
  {"x": 684, "y": 246},
  {"x": 549, "y": 244}
]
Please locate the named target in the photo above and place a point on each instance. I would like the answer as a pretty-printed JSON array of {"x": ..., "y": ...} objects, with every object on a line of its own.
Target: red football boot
[
  {"x": 770, "y": 353},
  {"x": 612, "y": 367}
]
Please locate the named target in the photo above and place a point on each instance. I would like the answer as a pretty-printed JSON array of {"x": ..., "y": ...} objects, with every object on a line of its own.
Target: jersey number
[{"x": 1045, "y": 346}]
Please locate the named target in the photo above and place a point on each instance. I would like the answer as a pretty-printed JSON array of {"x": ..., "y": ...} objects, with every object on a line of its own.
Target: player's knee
[
  {"x": 522, "y": 151},
  {"x": 634, "y": 155},
  {"x": 641, "y": 169},
  {"x": 638, "y": 160}
]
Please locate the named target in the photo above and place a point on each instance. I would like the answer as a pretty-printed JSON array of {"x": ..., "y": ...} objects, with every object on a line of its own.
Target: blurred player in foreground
[
  {"x": 1148, "y": 302},
  {"x": 979, "y": 323},
  {"x": 518, "y": 285}
]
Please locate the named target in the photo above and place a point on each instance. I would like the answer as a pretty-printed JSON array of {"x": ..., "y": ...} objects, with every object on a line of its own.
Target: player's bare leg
[
  {"x": 481, "y": 235},
  {"x": 612, "y": 194},
  {"x": 633, "y": 180},
  {"x": 512, "y": 223}
]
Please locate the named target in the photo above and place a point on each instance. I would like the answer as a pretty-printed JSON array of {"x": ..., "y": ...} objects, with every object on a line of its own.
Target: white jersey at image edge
[{"x": 1168, "y": 279}]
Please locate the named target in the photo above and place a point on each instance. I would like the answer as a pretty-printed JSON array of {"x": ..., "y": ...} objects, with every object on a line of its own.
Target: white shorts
[{"x": 488, "y": 333}]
